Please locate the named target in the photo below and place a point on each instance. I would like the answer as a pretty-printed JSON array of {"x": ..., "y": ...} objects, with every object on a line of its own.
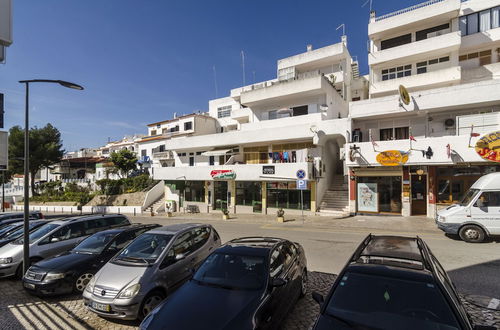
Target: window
[
  {"x": 183, "y": 244},
  {"x": 153, "y": 132},
  {"x": 398, "y": 72},
  {"x": 488, "y": 199},
  {"x": 73, "y": 230},
  {"x": 161, "y": 148},
  {"x": 480, "y": 22},
  {"x": 200, "y": 237},
  {"x": 191, "y": 161},
  {"x": 402, "y": 133},
  {"x": 422, "y": 67},
  {"x": 386, "y": 134},
  {"x": 164, "y": 131},
  {"x": 117, "y": 221},
  {"x": 276, "y": 263},
  {"x": 394, "y": 42},
  {"x": 188, "y": 125},
  {"x": 300, "y": 111},
  {"x": 211, "y": 160},
  {"x": 286, "y": 73},
  {"x": 182, "y": 154},
  {"x": 484, "y": 57},
  {"x": 224, "y": 111},
  {"x": 121, "y": 241},
  {"x": 194, "y": 191},
  {"x": 432, "y": 32}
]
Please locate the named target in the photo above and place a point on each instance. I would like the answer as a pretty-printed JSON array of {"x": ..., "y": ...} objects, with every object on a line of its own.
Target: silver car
[
  {"x": 53, "y": 238},
  {"x": 153, "y": 265}
]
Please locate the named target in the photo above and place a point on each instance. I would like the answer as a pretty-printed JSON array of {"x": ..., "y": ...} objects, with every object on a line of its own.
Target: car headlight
[
  {"x": 131, "y": 291},
  {"x": 5, "y": 260},
  {"x": 90, "y": 285},
  {"x": 441, "y": 218},
  {"x": 54, "y": 276}
]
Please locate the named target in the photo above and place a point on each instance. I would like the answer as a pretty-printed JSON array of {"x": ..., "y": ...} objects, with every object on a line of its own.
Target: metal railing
[{"x": 408, "y": 9}]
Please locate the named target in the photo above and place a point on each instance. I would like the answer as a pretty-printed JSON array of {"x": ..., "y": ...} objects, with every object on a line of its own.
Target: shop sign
[
  {"x": 223, "y": 174},
  {"x": 488, "y": 146},
  {"x": 268, "y": 169},
  {"x": 392, "y": 158},
  {"x": 367, "y": 197}
]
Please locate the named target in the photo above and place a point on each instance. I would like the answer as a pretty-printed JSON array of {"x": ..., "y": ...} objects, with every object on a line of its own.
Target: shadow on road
[{"x": 478, "y": 279}]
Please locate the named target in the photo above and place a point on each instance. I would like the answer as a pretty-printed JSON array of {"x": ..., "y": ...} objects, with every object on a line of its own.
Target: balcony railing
[
  {"x": 408, "y": 9},
  {"x": 163, "y": 155}
]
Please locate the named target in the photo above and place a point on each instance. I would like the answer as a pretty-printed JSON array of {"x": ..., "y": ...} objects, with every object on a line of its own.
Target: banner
[{"x": 488, "y": 146}]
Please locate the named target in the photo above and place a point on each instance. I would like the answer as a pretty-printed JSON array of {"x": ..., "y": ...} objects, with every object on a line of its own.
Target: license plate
[
  {"x": 29, "y": 286},
  {"x": 101, "y": 307}
]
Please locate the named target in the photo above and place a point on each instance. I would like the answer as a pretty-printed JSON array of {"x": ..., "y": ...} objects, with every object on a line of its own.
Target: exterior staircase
[
  {"x": 335, "y": 201},
  {"x": 159, "y": 205}
]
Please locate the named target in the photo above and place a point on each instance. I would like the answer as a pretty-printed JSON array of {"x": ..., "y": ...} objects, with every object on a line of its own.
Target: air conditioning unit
[{"x": 449, "y": 123}]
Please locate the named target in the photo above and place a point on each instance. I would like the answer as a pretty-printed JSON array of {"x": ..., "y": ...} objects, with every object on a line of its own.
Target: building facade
[{"x": 414, "y": 156}]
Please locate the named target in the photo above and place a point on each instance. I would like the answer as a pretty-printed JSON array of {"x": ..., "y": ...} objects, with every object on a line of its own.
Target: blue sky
[{"x": 140, "y": 61}]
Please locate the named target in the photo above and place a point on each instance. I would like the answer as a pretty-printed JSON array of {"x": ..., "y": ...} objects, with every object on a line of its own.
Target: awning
[{"x": 216, "y": 152}]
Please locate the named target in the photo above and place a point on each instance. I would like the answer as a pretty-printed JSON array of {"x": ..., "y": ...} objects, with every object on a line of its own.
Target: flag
[
  {"x": 472, "y": 134},
  {"x": 412, "y": 138}
]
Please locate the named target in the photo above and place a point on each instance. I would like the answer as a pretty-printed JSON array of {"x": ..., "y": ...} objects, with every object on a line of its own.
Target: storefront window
[
  {"x": 195, "y": 191},
  {"x": 379, "y": 194},
  {"x": 285, "y": 195},
  {"x": 248, "y": 193}
]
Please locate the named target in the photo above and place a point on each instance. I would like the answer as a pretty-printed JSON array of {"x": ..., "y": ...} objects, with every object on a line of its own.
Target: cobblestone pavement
[{"x": 19, "y": 310}]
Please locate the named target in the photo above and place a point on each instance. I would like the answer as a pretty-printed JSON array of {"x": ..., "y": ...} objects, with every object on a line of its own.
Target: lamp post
[{"x": 26, "y": 253}]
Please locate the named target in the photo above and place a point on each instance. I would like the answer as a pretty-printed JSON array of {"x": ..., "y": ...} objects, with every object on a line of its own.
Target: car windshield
[
  {"x": 40, "y": 232},
  {"x": 95, "y": 243},
  {"x": 18, "y": 232},
  {"x": 377, "y": 302},
  {"x": 232, "y": 271},
  {"x": 7, "y": 228},
  {"x": 468, "y": 197},
  {"x": 144, "y": 249}
]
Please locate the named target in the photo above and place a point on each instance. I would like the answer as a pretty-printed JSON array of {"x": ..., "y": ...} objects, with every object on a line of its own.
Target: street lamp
[{"x": 26, "y": 255}]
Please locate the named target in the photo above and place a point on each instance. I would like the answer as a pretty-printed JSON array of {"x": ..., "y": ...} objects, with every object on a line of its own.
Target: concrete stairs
[
  {"x": 335, "y": 201},
  {"x": 159, "y": 205}
]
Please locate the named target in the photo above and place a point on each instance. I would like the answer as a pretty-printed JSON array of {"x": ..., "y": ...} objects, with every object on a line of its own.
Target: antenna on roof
[
  {"x": 343, "y": 28},
  {"x": 368, "y": 1},
  {"x": 243, "y": 66},
  {"x": 215, "y": 81}
]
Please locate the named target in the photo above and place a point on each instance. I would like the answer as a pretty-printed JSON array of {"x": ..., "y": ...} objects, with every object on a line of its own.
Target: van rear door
[{"x": 486, "y": 211}]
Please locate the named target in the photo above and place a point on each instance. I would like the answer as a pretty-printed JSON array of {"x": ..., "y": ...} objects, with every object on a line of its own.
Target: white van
[{"x": 477, "y": 216}]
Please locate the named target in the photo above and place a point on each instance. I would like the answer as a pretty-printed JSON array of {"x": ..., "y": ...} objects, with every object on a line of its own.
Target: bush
[{"x": 125, "y": 185}]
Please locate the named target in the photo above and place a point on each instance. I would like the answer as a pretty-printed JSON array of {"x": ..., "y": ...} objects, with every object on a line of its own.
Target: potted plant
[
  {"x": 281, "y": 215},
  {"x": 225, "y": 214}
]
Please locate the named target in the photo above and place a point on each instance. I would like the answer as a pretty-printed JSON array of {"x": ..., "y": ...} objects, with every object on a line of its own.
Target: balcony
[
  {"x": 463, "y": 96},
  {"x": 480, "y": 39},
  {"x": 459, "y": 151},
  {"x": 244, "y": 172},
  {"x": 432, "y": 79},
  {"x": 414, "y": 51},
  {"x": 422, "y": 14},
  {"x": 241, "y": 115},
  {"x": 484, "y": 72},
  {"x": 308, "y": 84},
  {"x": 163, "y": 155}
]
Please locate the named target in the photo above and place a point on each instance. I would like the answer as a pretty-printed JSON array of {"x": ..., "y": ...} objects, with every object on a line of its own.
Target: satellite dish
[{"x": 404, "y": 96}]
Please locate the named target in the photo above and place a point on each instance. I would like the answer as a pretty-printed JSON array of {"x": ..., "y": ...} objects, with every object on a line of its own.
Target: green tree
[
  {"x": 125, "y": 161},
  {"x": 45, "y": 149}
]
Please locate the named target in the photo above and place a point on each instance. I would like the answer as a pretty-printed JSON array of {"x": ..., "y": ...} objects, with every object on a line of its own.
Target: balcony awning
[{"x": 221, "y": 152}]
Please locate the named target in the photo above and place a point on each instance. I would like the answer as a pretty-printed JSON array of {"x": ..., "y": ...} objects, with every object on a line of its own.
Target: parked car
[
  {"x": 392, "y": 282},
  {"x": 152, "y": 266},
  {"x": 72, "y": 270},
  {"x": 33, "y": 215},
  {"x": 53, "y": 238},
  {"x": 248, "y": 283},
  {"x": 18, "y": 230},
  {"x": 9, "y": 225},
  {"x": 477, "y": 216}
]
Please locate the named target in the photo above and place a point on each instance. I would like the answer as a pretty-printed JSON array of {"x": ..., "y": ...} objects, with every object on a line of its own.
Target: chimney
[{"x": 309, "y": 47}]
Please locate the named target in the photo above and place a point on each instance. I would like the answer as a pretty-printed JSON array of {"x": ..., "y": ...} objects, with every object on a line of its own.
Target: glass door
[{"x": 418, "y": 194}]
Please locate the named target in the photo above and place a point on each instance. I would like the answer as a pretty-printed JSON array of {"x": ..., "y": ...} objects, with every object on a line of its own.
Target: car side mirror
[
  {"x": 180, "y": 256},
  {"x": 54, "y": 239},
  {"x": 277, "y": 282},
  {"x": 318, "y": 297}
]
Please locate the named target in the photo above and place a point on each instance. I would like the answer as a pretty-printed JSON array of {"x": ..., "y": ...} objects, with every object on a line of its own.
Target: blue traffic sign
[
  {"x": 302, "y": 184},
  {"x": 301, "y": 174}
]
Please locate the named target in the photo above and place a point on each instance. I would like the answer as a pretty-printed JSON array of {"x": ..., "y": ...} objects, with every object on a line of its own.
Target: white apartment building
[
  {"x": 447, "y": 55},
  {"x": 253, "y": 144}
]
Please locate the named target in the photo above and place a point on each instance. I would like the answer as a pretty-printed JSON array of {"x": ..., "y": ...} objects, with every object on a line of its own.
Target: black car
[
  {"x": 72, "y": 270},
  {"x": 8, "y": 225},
  {"x": 33, "y": 215},
  {"x": 248, "y": 283},
  {"x": 15, "y": 230},
  {"x": 392, "y": 282}
]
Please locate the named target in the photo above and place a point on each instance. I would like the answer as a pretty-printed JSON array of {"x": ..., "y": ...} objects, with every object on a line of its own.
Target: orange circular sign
[
  {"x": 392, "y": 158},
  {"x": 488, "y": 146}
]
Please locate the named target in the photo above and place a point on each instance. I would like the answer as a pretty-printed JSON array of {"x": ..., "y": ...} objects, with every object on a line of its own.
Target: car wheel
[
  {"x": 149, "y": 303},
  {"x": 82, "y": 281},
  {"x": 303, "y": 284},
  {"x": 472, "y": 234}
]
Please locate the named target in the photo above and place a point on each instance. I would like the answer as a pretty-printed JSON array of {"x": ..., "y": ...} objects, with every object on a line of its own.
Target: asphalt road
[{"x": 474, "y": 268}]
